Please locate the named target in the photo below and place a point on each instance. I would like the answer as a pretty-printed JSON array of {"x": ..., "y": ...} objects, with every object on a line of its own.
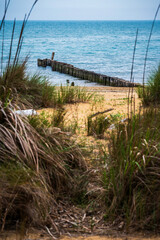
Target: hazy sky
[{"x": 84, "y": 9}]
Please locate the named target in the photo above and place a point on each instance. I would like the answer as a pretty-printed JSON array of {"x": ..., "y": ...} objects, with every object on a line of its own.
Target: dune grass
[
  {"x": 150, "y": 94},
  {"x": 37, "y": 165},
  {"x": 131, "y": 178},
  {"x": 36, "y": 90},
  {"x": 23, "y": 89},
  {"x": 98, "y": 125},
  {"x": 72, "y": 94}
]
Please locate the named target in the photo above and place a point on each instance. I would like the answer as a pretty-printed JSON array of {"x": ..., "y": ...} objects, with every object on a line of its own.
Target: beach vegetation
[
  {"x": 28, "y": 91},
  {"x": 37, "y": 165},
  {"x": 72, "y": 94},
  {"x": 98, "y": 125},
  {"x": 25, "y": 90},
  {"x": 150, "y": 94},
  {"x": 131, "y": 176}
]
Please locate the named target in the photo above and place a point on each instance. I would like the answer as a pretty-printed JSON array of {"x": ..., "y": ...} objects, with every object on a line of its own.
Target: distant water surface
[{"x": 101, "y": 46}]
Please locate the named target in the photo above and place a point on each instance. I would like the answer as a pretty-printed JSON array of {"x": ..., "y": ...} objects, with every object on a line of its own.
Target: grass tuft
[
  {"x": 72, "y": 94},
  {"x": 150, "y": 94},
  {"x": 25, "y": 90},
  {"x": 98, "y": 124}
]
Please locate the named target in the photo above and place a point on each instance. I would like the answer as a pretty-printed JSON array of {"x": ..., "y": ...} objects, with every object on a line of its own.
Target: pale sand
[
  {"x": 110, "y": 238},
  {"x": 116, "y": 98},
  {"x": 44, "y": 236}
]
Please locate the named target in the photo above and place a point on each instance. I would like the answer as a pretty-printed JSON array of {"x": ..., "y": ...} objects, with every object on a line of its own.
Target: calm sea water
[{"x": 101, "y": 46}]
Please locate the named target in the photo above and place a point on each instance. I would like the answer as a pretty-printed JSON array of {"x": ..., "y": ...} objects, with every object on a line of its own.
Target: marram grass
[
  {"x": 37, "y": 165},
  {"x": 150, "y": 94},
  {"x": 132, "y": 175}
]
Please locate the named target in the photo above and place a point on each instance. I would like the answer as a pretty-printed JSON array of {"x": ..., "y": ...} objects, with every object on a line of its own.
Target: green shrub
[
  {"x": 40, "y": 121},
  {"x": 57, "y": 119},
  {"x": 44, "y": 120}
]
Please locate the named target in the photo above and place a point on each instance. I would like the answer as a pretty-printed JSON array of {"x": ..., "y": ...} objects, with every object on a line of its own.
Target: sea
[{"x": 102, "y": 46}]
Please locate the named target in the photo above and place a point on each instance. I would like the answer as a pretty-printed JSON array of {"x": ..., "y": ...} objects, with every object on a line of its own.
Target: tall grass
[
  {"x": 36, "y": 90},
  {"x": 133, "y": 169},
  {"x": 150, "y": 94},
  {"x": 36, "y": 166},
  {"x": 38, "y": 163},
  {"x": 25, "y": 90}
]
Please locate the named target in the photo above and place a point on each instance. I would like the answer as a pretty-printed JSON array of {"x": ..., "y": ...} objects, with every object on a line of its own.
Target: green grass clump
[
  {"x": 22, "y": 89},
  {"x": 150, "y": 94},
  {"x": 72, "y": 94},
  {"x": 36, "y": 90},
  {"x": 44, "y": 120},
  {"x": 40, "y": 121},
  {"x": 98, "y": 125},
  {"x": 132, "y": 175}
]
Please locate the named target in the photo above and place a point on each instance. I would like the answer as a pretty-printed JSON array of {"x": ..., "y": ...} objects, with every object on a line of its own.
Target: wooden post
[
  {"x": 53, "y": 53},
  {"x": 39, "y": 62}
]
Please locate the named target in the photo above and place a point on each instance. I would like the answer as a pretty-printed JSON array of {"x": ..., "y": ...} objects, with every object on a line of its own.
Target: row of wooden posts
[{"x": 83, "y": 74}]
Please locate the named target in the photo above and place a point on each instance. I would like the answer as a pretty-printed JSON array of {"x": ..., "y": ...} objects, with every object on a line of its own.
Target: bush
[
  {"x": 44, "y": 120},
  {"x": 132, "y": 176}
]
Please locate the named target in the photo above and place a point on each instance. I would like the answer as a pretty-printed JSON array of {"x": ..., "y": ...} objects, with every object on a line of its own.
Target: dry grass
[{"x": 36, "y": 166}]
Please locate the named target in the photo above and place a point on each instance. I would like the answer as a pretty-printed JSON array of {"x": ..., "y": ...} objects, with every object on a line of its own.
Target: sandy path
[
  {"x": 110, "y": 238},
  {"x": 44, "y": 236}
]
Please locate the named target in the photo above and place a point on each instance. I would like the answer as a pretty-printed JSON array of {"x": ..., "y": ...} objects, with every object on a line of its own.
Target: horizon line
[{"x": 84, "y": 20}]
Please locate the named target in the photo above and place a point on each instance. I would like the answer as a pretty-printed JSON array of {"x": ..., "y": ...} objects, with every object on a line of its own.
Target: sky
[{"x": 83, "y": 9}]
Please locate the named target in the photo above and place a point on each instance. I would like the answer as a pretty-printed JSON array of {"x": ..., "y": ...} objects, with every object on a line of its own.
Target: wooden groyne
[{"x": 84, "y": 74}]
